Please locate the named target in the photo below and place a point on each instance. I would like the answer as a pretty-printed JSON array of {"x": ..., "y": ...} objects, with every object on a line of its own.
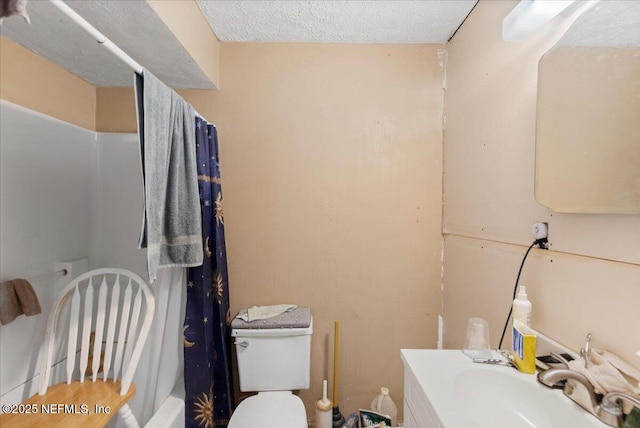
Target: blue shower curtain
[{"x": 207, "y": 335}]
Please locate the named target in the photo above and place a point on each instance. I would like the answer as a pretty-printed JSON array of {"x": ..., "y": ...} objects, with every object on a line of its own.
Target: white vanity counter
[{"x": 444, "y": 388}]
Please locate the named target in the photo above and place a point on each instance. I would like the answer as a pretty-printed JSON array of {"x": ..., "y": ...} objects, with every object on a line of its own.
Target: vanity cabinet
[
  {"x": 444, "y": 388},
  {"x": 418, "y": 412}
]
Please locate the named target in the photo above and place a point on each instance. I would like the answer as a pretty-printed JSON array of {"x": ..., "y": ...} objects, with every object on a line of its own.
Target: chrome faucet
[
  {"x": 610, "y": 415},
  {"x": 612, "y": 402},
  {"x": 552, "y": 376}
]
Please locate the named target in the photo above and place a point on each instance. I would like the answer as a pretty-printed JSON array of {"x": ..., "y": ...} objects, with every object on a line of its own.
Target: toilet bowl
[
  {"x": 274, "y": 358},
  {"x": 272, "y": 409}
]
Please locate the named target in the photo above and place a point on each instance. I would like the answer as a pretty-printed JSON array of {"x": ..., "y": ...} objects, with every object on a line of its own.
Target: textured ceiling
[
  {"x": 607, "y": 24},
  {"x": 418, "y": 21},
  {"x": 130, "y": 24},
  {"x": 136, "y": 28}
]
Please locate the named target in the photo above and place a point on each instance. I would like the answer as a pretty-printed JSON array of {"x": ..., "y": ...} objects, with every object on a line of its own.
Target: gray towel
[
  {"x": 171, "y": 224},
  {"x": 16, "y": 298}
]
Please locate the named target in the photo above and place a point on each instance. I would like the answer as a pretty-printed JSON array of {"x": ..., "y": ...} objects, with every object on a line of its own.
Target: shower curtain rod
[{"x": 102, "y": 39}]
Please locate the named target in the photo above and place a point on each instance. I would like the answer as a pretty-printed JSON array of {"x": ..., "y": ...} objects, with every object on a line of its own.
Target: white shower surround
[{"x": 67, "y": 193}]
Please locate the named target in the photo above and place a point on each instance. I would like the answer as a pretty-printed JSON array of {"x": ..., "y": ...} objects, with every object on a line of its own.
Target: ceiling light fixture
[{"x": 531, "y": 15}]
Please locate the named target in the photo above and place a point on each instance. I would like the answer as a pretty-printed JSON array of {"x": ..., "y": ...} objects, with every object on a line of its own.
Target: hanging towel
[
  {"x": 171, "y": 223},
  {"x": 607, "y": 372},
  {"x": 27, "y": 297},
  {"x": 16, "y": 298},
  {"x": 14, "y": 7},
  {"x": 9, "y": 305},
  {"x": 255, "y": 313}
]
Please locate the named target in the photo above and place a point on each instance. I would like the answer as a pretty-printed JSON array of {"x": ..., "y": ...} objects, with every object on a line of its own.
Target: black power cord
[{"x": 541, "y": 243}]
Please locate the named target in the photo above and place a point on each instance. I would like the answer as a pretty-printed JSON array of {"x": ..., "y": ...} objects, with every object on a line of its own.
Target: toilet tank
[{"x": 276, "y": 356}]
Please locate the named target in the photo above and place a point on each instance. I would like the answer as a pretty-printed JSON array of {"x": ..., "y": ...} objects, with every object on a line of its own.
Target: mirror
[{"x": 588, "y": 114}]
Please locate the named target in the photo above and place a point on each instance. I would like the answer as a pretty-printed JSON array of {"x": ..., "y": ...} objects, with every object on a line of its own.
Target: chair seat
[{"x": 84, "y": 404}]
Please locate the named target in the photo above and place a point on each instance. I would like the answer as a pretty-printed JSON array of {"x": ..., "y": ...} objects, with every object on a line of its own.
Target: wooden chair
[{"x": 117, "y": 307}]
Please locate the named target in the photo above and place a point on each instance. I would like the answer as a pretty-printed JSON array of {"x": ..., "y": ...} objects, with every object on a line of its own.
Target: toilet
[{"x": 274, "y": 358}]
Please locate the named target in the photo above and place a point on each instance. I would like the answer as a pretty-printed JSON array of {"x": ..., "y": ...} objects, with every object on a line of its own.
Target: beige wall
[
  {"x": 331, "y": 164},
  {"x": 33, "y": 82},
  {"x": 116, "y": 110},
  {"x": 331, "y": 160},
  {"x": 332, "y": 171},
  {"x": 590, "y": 279},
  {"x": 116, "y": 107}
]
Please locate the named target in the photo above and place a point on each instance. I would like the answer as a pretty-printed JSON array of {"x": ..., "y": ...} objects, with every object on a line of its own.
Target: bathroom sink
[{"x": 459, "y": 393}]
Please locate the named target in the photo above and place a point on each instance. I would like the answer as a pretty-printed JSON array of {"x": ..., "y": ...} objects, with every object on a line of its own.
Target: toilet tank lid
[
  {"x": 297, "y": 318},
  {"x": 272, "y": 332}
]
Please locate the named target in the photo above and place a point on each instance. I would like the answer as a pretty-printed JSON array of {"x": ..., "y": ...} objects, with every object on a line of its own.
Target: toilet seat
[{"x": 270, "y": 409}]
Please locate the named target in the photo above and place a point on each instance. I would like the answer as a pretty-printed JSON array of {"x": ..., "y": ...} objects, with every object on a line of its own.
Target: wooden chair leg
[{"x": 128, "y": 417}]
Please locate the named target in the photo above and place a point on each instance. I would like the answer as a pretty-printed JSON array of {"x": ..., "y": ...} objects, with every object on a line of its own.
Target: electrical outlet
[{"x": 540, "y": 230}]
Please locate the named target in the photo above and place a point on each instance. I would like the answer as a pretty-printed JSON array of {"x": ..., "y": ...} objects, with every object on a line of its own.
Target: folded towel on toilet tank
[
  {"x": 255, "y": 313},
  {"x": 296, "y": 318}
]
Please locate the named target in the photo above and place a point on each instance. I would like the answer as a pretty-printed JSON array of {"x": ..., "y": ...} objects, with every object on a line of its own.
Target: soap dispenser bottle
[{"x": 522, "y": 307}]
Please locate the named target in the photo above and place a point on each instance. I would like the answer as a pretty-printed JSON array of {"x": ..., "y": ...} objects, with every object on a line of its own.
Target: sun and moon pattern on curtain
[{"x": 207, "y": 334}]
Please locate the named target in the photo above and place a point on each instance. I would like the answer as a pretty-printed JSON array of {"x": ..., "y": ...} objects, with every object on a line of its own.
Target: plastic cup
[{"x": 476, "y": 344}]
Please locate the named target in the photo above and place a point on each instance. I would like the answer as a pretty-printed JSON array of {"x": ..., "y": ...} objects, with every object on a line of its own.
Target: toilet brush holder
[{"x": 324, "y": 417}]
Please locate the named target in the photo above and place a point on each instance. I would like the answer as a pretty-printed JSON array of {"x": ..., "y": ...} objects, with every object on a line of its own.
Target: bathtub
[{"x": 171, "y": 412}]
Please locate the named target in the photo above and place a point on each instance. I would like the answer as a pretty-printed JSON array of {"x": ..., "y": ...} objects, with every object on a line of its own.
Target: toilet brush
[
  {"x": 323, "y": 409},
  {"x": 338, "y": 419}
]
